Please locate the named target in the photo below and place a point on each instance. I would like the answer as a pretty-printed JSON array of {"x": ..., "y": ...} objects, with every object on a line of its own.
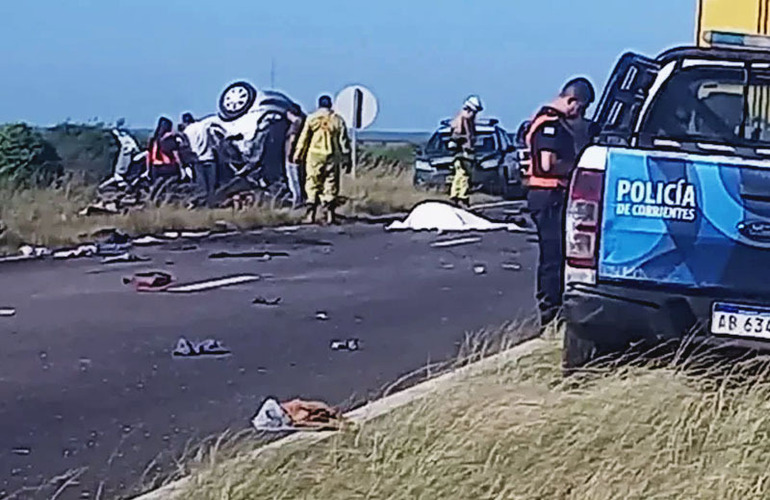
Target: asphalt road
[{"x": 86, "y": 373}]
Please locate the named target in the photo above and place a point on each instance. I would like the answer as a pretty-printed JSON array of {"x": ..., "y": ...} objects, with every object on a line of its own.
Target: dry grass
[
  {"x": 521, "y": 431},
  {"x": 50, "y": 216}
]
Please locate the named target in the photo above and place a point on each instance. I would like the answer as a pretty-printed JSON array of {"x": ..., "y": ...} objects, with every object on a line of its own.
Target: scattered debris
[
  {"x": 106, "y": 208},
  {"x": 21, "y": 451},
  {"x": 148, "y": 240},
  {"x": 480, "y": 269},
  {"x": 223, "y": 225},
  {"x": 456, "y": 242},
  {"x": 30, "y": 251},
  {"x": 247, "y": 255},
  {"x": 321, "y": 316},
  {"x": 81, "y": 251},
  {"x": 286, "y": 229},
  {"x": 296, "y": 415},
  {"x": 152, "y": 281},
  {"x": 171, "y": 235},
  {"x": 511, "y": 266},
  {"x": 183, "y": 248},
  {"x": 125, "y": 257},
  {"x": 439, "y": 216},
  {"x": 111, "y": 235},
  {"x": 345, "y": 345},
  {"x": 209, "y": 347},
  {"x": 195, "y": 234},
  {"x": 217, "y": 283},
  {"x": 267, "y": 302},
  {"x": 112, "y": 249},
  {"x": 7, "y": 312},
  {"x": 447, "y": 266}
]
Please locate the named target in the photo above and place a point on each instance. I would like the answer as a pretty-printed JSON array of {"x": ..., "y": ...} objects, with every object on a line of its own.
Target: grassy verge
[
  {"x": 522, "y": 432},
  {"x": 50, "y": 216}
]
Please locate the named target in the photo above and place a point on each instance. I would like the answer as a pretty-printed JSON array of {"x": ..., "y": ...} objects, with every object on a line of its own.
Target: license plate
[{"x": 740, "y": 321}]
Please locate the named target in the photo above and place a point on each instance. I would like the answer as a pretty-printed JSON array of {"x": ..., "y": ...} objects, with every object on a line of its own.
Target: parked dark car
[{"x": 495, "y": 171}]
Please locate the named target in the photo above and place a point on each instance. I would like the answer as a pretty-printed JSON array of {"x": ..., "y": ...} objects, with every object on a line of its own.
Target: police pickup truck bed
[{"x": 668, "y": 221}]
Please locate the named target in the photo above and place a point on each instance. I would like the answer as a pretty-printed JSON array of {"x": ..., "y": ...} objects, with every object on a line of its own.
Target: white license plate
[{"x": 740, "y": 321}]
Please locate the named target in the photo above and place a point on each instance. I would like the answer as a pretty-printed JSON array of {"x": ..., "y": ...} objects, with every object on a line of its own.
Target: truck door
[{"x": 623, "y": 99}]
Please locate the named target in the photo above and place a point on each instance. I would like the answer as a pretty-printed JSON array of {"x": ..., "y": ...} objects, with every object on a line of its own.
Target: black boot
[{"x": 310, "y": 215}]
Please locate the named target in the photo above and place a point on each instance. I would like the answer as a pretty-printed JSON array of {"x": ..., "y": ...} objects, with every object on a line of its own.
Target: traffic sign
[{"x": 357, "y": 106}]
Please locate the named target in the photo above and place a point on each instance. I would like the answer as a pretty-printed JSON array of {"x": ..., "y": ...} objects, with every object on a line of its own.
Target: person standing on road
[
  {"x": 203, "y": 138},
  {"x": 463, "y": 144},
  {"x": 293, "y": 170},
  {"x": 324, "y": 148},
  {"x": 128, "y": 150},
  {"x": 553, "y": 150}
]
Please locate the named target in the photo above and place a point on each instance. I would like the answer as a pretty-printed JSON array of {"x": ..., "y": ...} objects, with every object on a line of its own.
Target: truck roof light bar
[{"x": 728, "y": 39}]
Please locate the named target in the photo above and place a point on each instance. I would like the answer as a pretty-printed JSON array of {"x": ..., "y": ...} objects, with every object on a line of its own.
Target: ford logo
[{"x": 757, "y": 231}]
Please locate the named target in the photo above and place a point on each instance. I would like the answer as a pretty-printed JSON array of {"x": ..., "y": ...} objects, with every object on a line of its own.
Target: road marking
[
  {"x": 211, "y": 284},
  {"x": 452, "y": 243}
]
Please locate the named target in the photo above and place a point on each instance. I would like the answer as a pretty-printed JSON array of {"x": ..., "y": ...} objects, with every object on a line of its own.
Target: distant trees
[{"x": 26, "y": 158}]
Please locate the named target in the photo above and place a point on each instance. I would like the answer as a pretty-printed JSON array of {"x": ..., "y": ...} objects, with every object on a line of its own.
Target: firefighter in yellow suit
[
  {"x": 324, "y": 147},
  {"x": 463, "y": 144}
]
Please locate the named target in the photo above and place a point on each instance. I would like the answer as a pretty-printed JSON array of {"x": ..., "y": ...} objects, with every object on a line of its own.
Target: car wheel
[
  {"x": 577, "y": 351},
  {"x": 236, "y": 100}
]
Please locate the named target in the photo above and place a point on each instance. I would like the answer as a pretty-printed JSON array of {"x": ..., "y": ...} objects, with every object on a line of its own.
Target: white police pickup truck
[{"x": 667, "y": 229}]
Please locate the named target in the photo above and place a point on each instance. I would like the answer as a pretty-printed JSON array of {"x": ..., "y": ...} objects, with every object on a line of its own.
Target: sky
[{"x": 82, "y": 60}]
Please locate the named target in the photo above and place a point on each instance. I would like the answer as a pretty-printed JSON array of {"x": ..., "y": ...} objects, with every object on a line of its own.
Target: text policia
[{"x": 658, "y": 200}]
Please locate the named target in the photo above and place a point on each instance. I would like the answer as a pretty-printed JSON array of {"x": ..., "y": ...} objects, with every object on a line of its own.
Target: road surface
[{"x": 86, "y": 371}]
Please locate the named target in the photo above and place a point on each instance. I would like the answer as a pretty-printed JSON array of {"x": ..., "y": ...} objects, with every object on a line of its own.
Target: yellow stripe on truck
[{"x": 751, "y": 17}]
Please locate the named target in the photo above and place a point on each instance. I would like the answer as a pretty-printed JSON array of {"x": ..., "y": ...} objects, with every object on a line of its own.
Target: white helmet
[{"x": 473, "y": 103}]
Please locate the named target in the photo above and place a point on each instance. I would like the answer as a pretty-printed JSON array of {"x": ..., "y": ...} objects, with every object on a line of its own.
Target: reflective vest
[
  {"x": 534, "y": 176},
  {"x": 157, "y": 156}
]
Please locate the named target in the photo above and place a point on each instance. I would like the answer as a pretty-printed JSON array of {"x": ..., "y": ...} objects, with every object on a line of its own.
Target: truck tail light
[{"x": 582, "y": 222}]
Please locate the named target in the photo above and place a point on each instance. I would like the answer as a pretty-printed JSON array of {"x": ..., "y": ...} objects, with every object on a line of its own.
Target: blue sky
[{"x": 81, "y": 59}]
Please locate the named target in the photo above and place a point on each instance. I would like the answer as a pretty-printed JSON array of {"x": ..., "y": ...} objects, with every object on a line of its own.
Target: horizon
[{"x": 105, "y": 61}]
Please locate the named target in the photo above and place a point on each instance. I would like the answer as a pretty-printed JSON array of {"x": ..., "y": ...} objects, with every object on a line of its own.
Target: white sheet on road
[{"x": 439, "y": 216}]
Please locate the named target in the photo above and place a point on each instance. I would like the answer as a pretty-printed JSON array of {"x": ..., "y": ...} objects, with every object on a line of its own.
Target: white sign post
[{"x": 358, "y": 107}]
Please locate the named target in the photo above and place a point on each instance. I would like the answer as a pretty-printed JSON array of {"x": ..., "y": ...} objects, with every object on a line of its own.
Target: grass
[
  {"x": 521, "y": 431},
  {"x": 50, "y": 217}
]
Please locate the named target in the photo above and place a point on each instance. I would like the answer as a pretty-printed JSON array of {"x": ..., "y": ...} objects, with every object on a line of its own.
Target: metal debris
[
  {"x": 480, "y": 269},
  {"x": 21, "y": 451},
  {"x": 247, "y": 255},
  {"x": 511, "y": 266},
  {"x": 125, "y": 257},
  {"x": 455, "y": 242},
  {"x": 153, "y": 281},
  {"x": 7, "y": 312},
  {"x": 267, "y": 302},
  {"x": 345, "y": 345},
  {"x": 209, "y": 347},
  {"x": 321, "y": 316}
]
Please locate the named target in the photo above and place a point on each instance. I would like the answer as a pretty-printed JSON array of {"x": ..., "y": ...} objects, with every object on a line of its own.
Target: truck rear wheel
[{"x": 577, "y": 351}]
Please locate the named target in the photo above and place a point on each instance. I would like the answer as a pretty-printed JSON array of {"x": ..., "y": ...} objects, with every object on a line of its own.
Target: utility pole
[{"x": 272, "y": 73}]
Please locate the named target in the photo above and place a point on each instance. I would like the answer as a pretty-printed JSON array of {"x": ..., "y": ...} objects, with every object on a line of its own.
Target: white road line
[
  {"x": 452, "y": 243},
  {"x": 217, "y": 283}
]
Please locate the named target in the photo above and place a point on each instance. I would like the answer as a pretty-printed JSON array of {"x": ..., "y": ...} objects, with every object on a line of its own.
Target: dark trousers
[
  {"x": 206, "y": 181},
  {"x": 547, "y": 207}
]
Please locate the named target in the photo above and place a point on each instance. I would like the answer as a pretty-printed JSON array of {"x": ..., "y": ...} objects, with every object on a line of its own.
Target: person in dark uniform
[{"x": 554, "y": 147}]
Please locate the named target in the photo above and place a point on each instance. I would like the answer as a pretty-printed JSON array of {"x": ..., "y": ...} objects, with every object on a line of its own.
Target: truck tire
[{"x": 577, "y": 351}]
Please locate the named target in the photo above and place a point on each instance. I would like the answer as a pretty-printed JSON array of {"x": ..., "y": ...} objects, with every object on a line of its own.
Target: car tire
[
  {"x": 236, "y": 100},
  {"x": 577, "y": 351}
]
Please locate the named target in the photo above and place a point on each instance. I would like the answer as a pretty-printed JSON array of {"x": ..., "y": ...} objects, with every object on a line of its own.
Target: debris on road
[
  {"x": 271, "y": 417},
  {"x": 30, "y": 251},
  {"x": 21, "y": 451},
  {"x": 439, "y": 216},
  {"x": 124, "y": 257},
  {"x": 111, "y": 235},
  {"x": 455, "y": 242},
  {"x": 209, "y": 347},
  {"x": 447, "y": 266},
  {"x": 112, "y": 249},
  {"x": 267, "y": 302},
  {"x": 212, "y": 284},
  {"x": 480, "y": 269},
  {"x": 345, "y": 345},
  {"x": 81, "y": 251},
  {"x": 183, "y": 248},
  {"x": 148, "y": 240},
  {"x": 152, "y": 281},
  {"x": 312, "y": 414},
  {"x": 247, "y": 255},
  {"x": 7, "y": 312},
  {"x": 321, "y": 316},
  {"x": 511, "y": 266},
  {"x": 194, "y": 235},
  {"x": 223, "y": 225}
]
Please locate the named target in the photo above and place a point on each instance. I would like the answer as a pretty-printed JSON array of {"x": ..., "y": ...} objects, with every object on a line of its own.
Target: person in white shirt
[
  {"x": 203, "y": 138},
  {"x": 128, "y": 153}
]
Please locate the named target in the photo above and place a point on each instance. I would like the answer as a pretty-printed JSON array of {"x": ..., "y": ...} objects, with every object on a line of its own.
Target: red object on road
[{"x": 154, "y": 281}]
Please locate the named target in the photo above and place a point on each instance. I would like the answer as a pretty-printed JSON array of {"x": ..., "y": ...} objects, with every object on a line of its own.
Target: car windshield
[
  {"x": 486, "y": 142},
  {"x": 725, "y": 105}
]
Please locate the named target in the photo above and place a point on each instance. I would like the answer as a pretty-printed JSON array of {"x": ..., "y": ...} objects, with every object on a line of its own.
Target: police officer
[
  {"x": 463, "y": 142},
  {"x": 554, "y": 148},
  {"x": 324, "y": 147}
]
